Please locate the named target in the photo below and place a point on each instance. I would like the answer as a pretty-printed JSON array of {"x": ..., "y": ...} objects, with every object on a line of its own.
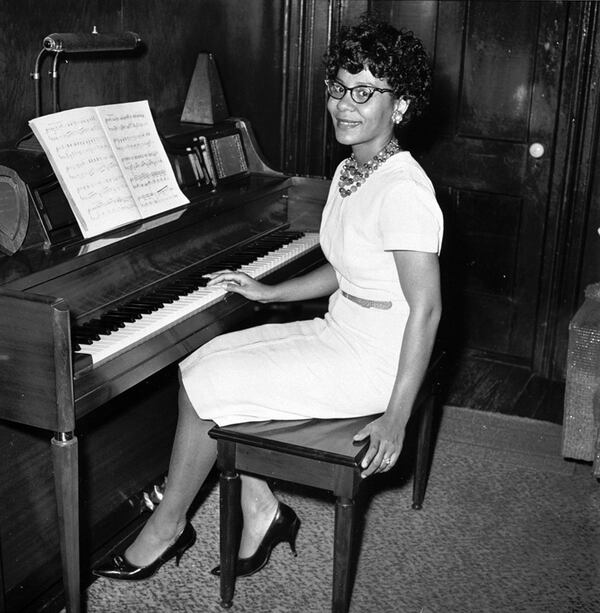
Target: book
[{"x": 110, "y": 163}]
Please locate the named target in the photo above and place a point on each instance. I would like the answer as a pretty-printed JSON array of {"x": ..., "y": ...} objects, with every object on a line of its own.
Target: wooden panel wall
[
  {"x": 577, "y": 240},
  {"x": 269, "y": 57},
  {"x": 244, "y": 37}
]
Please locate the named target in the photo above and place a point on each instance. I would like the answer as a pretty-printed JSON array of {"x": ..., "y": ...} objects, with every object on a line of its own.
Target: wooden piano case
[
  {"x": 80, "y": 444},
  {"x": 123, "y": 450}
]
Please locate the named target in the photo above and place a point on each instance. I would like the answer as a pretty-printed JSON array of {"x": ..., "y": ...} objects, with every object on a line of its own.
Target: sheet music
[
  {"x": 142, "y": 157},
  {"x": 85, "y": 165}
]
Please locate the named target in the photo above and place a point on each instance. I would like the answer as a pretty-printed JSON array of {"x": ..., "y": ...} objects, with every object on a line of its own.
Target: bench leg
[
  {"x": 229, "y": 501},
  {"x": 423, "y": 452},
  {"x": 342, "y": 549}
]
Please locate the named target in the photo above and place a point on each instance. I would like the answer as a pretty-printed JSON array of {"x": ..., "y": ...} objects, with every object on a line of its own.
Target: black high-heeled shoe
[
  {"x": 283, "y": 528},
  {"x": 120, "y": 568}
]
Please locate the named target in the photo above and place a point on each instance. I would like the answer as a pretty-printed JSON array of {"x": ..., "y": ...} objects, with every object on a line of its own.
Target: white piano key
[{"x": 134, "y": 333}]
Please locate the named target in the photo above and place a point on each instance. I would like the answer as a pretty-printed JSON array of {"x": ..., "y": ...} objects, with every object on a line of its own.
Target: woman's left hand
[{"x": 385, "y": 445}]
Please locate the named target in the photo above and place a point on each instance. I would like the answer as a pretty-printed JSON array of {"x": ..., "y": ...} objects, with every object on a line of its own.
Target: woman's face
[{"x": 366, "y": 127}]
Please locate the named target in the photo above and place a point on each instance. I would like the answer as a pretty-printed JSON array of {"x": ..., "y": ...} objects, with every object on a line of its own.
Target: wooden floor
[{"x": 487, "y": 385}]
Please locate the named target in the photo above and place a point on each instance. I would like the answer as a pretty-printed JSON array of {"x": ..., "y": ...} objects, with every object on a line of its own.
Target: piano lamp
[
  {"x": 76, "y": 42},
  {"x": 14, "y": 203}
]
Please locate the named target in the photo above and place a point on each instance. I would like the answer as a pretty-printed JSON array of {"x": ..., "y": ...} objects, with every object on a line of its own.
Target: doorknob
[{"x": 536, "y": 150}]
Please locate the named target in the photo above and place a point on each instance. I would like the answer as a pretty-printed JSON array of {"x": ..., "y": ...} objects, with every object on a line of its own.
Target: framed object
[
  {"x": 228, "y": 156},
  {"x": 14, "y": 211}
]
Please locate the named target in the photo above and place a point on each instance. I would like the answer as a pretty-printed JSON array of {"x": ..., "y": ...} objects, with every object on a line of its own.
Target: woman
[{"x": 381, "y": 234}]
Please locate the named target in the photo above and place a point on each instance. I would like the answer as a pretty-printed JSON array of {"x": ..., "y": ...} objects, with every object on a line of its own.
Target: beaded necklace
[{"x": 354, "y": 175}]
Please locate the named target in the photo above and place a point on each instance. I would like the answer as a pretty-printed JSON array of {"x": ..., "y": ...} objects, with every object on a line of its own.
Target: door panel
[{"x": 497, "y": 69}]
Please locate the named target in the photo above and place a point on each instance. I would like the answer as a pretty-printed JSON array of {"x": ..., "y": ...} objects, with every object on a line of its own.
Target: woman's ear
[{"x": 401, "y": 105}]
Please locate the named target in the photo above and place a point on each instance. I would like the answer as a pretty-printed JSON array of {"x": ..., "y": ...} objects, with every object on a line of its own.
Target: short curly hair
[{"x": 395, "y": 55}]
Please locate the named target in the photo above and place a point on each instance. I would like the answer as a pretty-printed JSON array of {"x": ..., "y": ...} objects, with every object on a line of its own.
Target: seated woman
[{"x": 381, "y": 233}]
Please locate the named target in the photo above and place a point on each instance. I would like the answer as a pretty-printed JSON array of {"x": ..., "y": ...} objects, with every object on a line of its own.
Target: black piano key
[
  {"x": 185, "y": 289},
  {"x": 151, "y": 302},
  {"x": 125, "y": 318},
  {"x": 146, "y": 308},
  {"x": 85, "y": 339},
  {"x": 184, "y": 282},
  {"x": 81, "y": 331},
  {"x": 192, "y": 276},
  {"x": 166, "y": 292},
  {"x": 224, "y": 266},
  {"x": 101, "y": 327},
  {"x": 201, "y": 280},
  {"x": 161, "y": 298},
  {"x": 111, "y": 325},
  {"x": 118, "y": 320},
  {"x": 252, "y": 251},
  {"x": 95, "y": 330},
  {"x": 239, "y": 261},
  {"x": 126, "y": 313}
]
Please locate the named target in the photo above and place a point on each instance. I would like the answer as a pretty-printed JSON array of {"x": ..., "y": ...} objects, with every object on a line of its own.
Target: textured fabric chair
[{"x": 317, "y": 453}]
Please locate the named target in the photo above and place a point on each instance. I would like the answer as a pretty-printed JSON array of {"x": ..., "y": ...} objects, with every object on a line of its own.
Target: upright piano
[{"x": 91, "y": 332}]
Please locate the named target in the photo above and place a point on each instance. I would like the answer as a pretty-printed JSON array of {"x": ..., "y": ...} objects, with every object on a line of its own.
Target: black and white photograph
[{"x": 300, "y": 306}]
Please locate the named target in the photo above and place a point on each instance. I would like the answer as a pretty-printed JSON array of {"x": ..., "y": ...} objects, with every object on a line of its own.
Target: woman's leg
[
  {"x": 259, "y": 507},
  {"x": 192, "y": 458}
]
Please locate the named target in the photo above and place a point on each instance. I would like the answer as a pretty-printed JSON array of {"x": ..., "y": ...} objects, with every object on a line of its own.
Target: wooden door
[{"x": 489, "y": 154}]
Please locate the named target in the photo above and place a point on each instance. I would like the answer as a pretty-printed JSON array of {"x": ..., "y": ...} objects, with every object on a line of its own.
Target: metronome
[{"x": 205, "y": 102}]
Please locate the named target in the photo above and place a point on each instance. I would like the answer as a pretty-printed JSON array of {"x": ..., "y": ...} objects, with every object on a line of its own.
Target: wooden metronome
[{"x": 205, "y": 102}]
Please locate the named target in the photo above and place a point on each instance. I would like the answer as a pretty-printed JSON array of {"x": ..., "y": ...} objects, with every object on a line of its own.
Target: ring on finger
[{"x": 386, "y": 461}]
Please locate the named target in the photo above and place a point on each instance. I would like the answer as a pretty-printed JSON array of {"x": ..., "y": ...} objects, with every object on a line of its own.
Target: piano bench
[{"x": 318, "y": 453}]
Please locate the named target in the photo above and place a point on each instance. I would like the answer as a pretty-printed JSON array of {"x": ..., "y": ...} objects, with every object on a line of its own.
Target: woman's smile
[
  {"x": 346, "y": 123},
  {"x": 367, "y": 127}
]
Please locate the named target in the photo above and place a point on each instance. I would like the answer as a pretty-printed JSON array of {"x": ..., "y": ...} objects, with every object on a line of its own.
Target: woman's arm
[
  {"x": 319, "y": 282},
  {"x": 420, "y": 281}
]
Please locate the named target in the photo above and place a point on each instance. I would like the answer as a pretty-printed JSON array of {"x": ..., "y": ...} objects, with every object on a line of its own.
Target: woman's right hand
[{"x": 241, "y": 283}]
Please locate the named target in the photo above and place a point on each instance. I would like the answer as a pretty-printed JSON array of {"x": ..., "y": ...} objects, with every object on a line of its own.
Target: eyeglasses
[{"x": 360, "y": 94}]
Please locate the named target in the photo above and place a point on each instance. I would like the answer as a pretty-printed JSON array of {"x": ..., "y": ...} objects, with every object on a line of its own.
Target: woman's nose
[{"x": 346, "y": 101}]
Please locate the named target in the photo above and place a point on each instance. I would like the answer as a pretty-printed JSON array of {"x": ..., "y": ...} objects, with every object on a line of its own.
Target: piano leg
[{"x": 66, "y": 483}]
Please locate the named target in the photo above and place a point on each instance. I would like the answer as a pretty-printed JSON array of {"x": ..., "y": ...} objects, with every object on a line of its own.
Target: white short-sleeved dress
[{"x": 343, "y": 364}]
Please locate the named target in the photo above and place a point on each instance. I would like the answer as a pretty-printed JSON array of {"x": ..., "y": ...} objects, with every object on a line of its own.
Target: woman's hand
[
  {"x": 241, "y": 283},
  {"x": 385, "y": 445}
]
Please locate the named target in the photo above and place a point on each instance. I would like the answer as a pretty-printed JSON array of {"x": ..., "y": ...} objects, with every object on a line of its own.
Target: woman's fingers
[
  {"x": 215, "y": 277},
  {"x": 226, "y": 277},
  {"x": 388, "y": 461},
  {"x": 372, "y": 459},
  {"x": 380, "y": 457},
  {"x": 216, "y": 273},
  {"x": 239, "y": 283}
]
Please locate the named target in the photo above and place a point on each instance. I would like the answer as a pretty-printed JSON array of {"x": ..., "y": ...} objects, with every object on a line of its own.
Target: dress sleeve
[{"x": 410, "y": 220}]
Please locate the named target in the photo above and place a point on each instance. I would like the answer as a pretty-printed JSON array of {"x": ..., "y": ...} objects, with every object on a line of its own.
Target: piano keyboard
[{"x": 141, "y": 319}]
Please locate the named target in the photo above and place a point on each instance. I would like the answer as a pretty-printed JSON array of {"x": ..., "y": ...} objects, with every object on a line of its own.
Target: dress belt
[{"x": 368, "y": 304}]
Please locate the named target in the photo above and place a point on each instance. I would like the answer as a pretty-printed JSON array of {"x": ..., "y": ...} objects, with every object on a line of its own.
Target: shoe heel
[
  {"x": 180, "y": 553},
  {"x": 293, "y": 533},
  {"x": 185, "y": 546}
]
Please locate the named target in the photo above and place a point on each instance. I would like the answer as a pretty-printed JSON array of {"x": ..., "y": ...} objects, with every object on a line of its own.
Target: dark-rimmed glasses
[{"x": 360, "y": 93}]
